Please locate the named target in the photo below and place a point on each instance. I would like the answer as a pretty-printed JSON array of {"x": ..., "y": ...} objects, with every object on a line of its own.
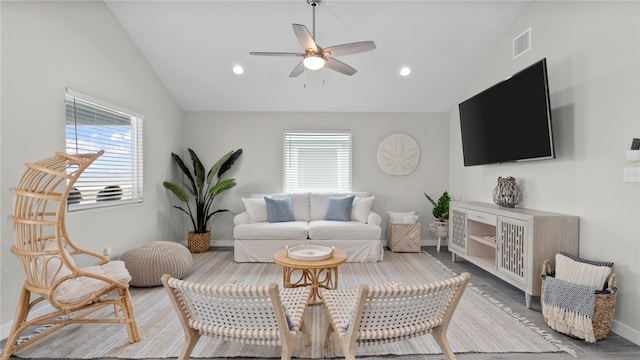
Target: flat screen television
[{"x": 510, "y": 121}]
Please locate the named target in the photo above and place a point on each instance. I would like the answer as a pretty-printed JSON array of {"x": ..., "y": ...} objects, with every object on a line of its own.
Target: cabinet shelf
[{"x": 489, "y": 240}]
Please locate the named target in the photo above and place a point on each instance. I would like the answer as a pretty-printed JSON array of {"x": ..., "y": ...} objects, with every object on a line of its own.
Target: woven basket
[
  {"x": 604, "y": 305},
  {"x": 441, "y": 229},
  {"x": 198, "y": 243}
]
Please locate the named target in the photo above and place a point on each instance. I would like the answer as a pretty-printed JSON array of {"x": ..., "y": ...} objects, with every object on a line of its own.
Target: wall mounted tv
[{"x": 510, "y": 121}]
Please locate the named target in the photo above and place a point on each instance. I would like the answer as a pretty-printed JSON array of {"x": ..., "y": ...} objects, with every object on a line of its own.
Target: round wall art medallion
[{"x": 398, "y": 154}]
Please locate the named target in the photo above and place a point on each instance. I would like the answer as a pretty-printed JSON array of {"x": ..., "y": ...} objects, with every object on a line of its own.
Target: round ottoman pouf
[{"x": 148, "y": 262}]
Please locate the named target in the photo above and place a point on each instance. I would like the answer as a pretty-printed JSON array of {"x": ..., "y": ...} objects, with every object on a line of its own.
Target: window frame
[
  {"x": 342, "y": 170},
  {"x": 93, "y": 197}
]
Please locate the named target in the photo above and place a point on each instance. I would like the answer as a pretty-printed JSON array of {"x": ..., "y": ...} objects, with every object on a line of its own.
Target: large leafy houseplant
[
  {"x": 202, "y": 188},
  {"x": 441, "y": 208}
]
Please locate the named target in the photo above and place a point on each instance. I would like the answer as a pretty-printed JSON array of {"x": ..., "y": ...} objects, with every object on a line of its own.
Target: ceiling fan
[{"x": 316, "y": 57}]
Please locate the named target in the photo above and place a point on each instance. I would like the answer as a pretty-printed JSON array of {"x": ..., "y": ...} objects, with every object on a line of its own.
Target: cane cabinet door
[
  {"x": 458, "y": 230},
  {"x": 512, "y": 247}
]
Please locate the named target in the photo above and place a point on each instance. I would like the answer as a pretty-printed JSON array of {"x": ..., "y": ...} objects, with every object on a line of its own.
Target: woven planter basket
[
  {"x": 441, "y": 229},
  {"x": 198, "y": 243},
  {"x": 604, "y": 306}
]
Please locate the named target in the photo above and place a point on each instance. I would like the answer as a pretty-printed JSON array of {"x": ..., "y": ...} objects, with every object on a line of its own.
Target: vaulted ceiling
[{"x": 193, "y": 46}]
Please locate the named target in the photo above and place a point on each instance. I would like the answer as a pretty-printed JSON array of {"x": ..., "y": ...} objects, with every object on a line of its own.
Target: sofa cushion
[
  {"x": 361, "y": 208},
  {"x": 339, "y": 208},
  {"x": 342, "y": 230},
  {"x": 299, "y": 202},
  {"x": 256, "y": 208},
  {"x": 279, "y": 209},
  {"x": 293, "y": 230},
  {"x": 318, "y": 202}
]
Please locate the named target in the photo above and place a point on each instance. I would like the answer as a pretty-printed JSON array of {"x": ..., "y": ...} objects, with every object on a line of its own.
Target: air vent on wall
[{"x": 522, "y": 43}]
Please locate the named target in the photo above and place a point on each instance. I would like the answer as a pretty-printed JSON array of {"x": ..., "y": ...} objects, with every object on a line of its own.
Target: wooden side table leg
[
  {"x": 286, "y": 277},
  {"x": 313, "y": 279}
]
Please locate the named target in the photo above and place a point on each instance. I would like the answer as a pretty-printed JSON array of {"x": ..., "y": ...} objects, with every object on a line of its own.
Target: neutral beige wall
[
  {"x": 593, "y": 57},
  {"x": 260, "y": 170},
  {"x": 47, "y": 46}
]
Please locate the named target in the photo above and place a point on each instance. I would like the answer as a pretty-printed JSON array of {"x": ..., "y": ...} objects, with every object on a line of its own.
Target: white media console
[{"x": 510, "y": 243}]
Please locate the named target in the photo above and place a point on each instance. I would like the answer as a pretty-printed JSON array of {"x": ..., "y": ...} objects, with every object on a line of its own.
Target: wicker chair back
[
  {"x": 392, "y": 312},
  {"x": 257, "y": 315}
]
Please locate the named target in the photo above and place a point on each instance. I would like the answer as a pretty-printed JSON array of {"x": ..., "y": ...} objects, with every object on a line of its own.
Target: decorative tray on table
[{"x": 309, "y": 252}]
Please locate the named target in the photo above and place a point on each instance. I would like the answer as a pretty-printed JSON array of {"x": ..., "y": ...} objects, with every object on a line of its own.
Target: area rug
[{"x": 479, "y": 325}]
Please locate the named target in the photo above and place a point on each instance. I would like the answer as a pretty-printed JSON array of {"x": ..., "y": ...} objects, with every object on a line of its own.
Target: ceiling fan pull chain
[{"x": 313, "y": 4}]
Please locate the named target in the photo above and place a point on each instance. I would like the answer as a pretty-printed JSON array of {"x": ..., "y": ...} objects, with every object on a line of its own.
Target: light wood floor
[{"x": 614, "y": 347}]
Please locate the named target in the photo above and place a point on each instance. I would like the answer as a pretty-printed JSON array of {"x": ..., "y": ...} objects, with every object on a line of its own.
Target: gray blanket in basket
[{"x": 565, "y": 295}]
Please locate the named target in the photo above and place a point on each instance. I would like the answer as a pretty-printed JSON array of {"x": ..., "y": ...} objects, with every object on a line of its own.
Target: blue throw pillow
[
  {"x": 339, "y": 208},
  {"x": 279, "y": 209}
]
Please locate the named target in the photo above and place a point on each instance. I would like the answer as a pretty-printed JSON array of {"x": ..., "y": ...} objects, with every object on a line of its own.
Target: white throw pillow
[
  {"x": 581, "y": 273},
  {"x": 411, "y": 219},
  {"x": 256, "y": 208},
  {"x": 361, "y": 208},
  {"x": 396, "y": 214}
]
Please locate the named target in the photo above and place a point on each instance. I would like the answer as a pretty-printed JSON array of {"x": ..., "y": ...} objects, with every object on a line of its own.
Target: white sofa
[{"x": 256, "y": 239}]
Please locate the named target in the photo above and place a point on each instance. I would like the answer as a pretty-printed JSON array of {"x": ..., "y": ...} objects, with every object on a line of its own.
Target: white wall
[
  {"x": 593, "y": 58},
  {"x": 593, "y": 52},
  {"x": 47, "y": 46},
  {"x": 260, "y": 170}
]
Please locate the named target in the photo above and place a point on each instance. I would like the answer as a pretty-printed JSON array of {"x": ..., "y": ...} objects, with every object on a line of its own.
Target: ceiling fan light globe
[{"x": 313, "y": 62}]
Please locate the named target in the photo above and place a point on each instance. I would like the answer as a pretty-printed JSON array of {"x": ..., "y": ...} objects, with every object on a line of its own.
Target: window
[
  {"x": 116, "y": 176},
  {"x": 317, "y": 161}
]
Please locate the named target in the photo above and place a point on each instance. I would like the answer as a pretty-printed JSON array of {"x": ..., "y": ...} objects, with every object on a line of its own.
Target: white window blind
[
  {"x": 317, "y": 161},
  {"x": 116, "y": 176}
]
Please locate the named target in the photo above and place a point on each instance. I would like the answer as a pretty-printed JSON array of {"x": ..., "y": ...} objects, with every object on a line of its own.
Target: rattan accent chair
[
  {"x": 47, "y": 256},
  {"x": 392, "y": 312},
  {"x": 257, "y": 315}
]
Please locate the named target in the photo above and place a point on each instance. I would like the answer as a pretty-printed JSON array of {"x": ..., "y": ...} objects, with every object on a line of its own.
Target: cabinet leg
[
  {"x": 527, "y": 300},
  {"x": 453, "y": 257}
]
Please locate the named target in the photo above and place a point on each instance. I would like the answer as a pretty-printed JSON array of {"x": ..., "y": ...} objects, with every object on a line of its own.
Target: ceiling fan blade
[
  {"x": 351, "y": 48},
  {"x": 305, "y": 38},
  {"x": 297, "y": 70},
  {"x": 274, "y": 53},
  {"x": 339, "y": 66}
]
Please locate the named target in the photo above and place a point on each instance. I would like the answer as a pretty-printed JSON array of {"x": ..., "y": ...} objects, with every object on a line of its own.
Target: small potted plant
[
  {"x": 201, "y": 190},
  {"x": 441, "y": 213}
]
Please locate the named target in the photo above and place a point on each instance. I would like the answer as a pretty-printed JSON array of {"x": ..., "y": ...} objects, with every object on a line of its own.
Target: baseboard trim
[{"x": 626, "y": 332}]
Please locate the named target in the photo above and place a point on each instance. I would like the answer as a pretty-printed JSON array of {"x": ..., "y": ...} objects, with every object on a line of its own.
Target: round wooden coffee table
[{"x": 316, "y": 273}]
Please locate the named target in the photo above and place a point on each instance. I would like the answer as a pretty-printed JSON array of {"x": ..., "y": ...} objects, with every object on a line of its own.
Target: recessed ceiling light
[
  {"x": 238, "y": 70},
  {"x": 405, "y": 71}
]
